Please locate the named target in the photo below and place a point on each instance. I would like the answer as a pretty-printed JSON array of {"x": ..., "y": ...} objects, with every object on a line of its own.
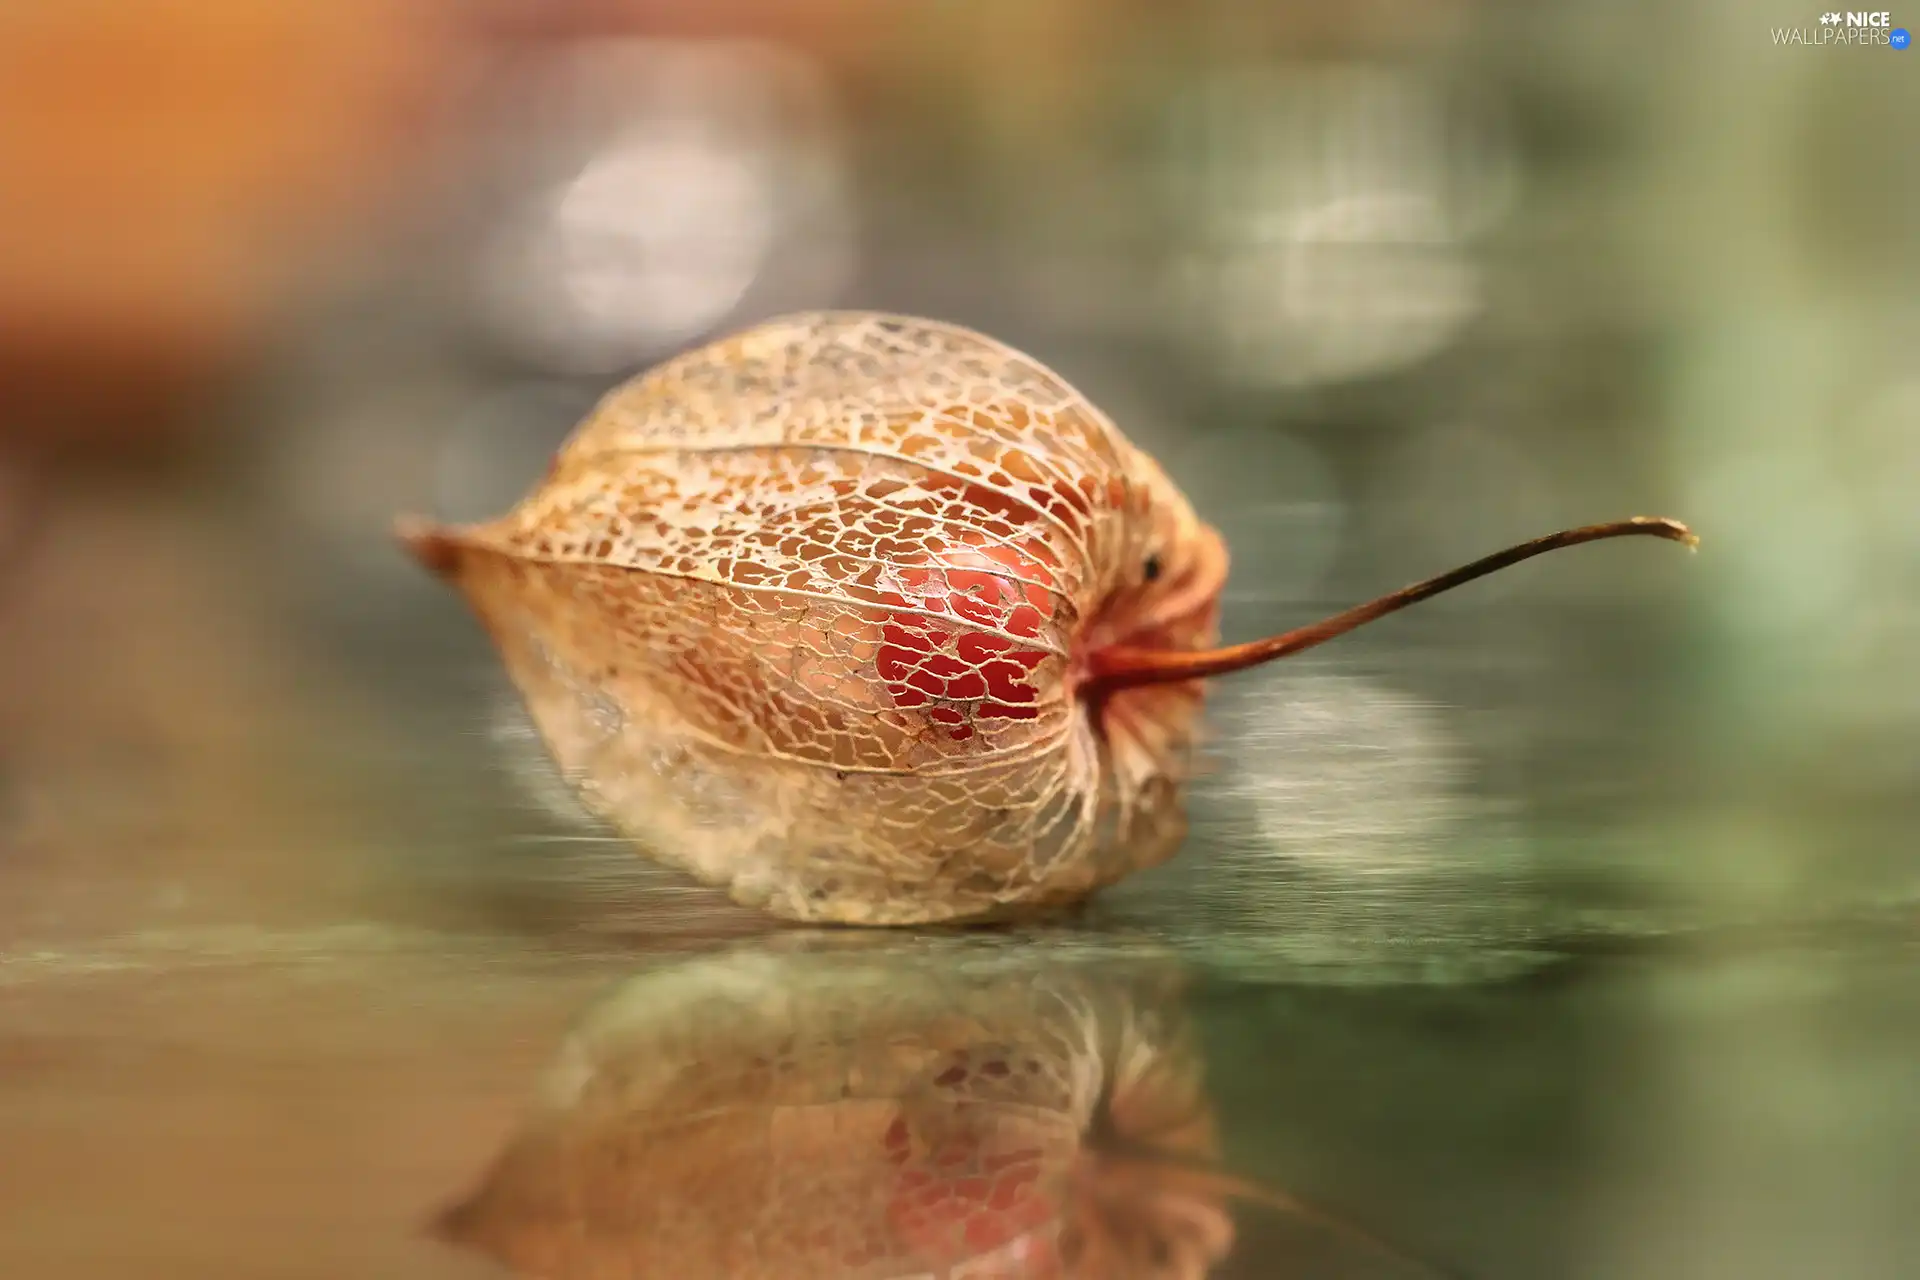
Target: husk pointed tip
[{"x": 435, "y": 546}]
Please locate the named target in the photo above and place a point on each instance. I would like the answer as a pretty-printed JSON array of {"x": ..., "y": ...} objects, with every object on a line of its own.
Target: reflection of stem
[{"x": 1174, "y": 1172}]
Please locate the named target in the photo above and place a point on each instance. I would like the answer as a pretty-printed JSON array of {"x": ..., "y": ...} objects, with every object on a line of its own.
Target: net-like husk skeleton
[
  {"x": 873, "y": 620},
  {"x": 845, "y": 1116},
  {"x": 801, "y": 612}
]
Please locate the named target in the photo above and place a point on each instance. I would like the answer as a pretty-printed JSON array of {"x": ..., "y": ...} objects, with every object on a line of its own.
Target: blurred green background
[{"x": 1567, "y": 922}]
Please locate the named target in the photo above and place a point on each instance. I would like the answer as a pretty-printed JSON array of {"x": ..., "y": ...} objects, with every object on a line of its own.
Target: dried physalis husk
[
  {"x": 865, "y": 1115},
  {"x": 873, "y": 620},
  {"x": 801, "y": 612}
]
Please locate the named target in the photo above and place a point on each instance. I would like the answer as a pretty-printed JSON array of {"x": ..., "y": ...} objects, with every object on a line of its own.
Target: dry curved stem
[{"x": 1123, "y": 667}]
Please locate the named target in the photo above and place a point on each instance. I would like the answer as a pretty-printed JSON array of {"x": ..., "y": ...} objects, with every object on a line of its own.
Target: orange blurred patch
[{"x": 170, "y": 168}]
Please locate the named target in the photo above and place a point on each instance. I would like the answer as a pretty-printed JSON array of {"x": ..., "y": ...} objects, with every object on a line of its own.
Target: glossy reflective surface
[{"x": 289, "y": 1103}]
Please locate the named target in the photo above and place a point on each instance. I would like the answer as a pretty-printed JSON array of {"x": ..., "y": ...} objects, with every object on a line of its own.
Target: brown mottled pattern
[
  {"x": 800, "y": 611},
  {"x": 841, "y": 1117}
]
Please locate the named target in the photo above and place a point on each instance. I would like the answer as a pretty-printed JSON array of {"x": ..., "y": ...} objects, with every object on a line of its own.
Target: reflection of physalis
[{"x": 862, "y": 1113}]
